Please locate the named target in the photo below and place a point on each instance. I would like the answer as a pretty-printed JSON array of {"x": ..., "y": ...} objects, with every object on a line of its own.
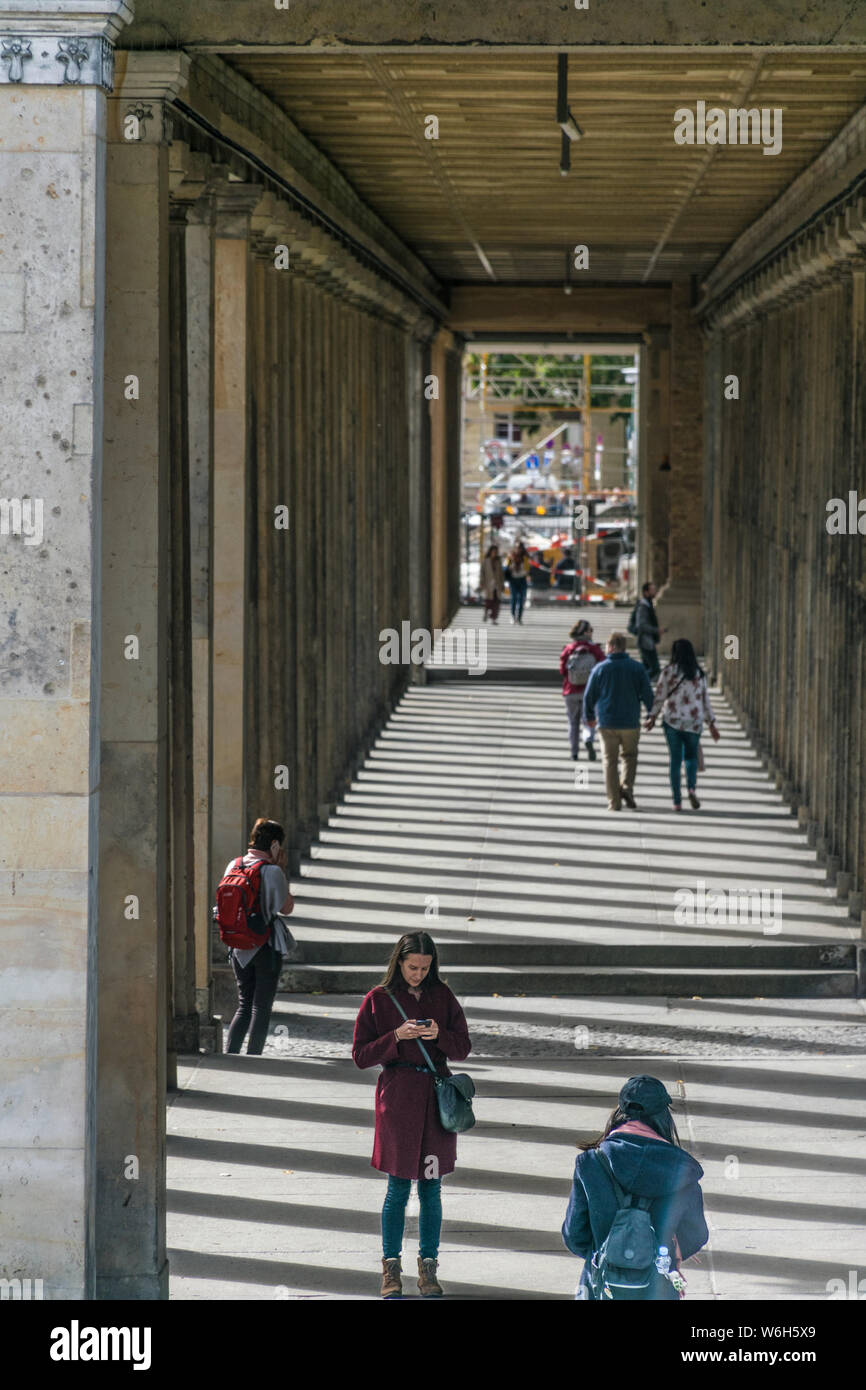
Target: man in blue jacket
[{"x": 616, "y": 688}]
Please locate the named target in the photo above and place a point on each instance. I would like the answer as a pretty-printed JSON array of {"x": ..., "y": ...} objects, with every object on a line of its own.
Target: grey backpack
[
  {"x": 625, "y": 1265},
  {"x": 579, "y": 666}
]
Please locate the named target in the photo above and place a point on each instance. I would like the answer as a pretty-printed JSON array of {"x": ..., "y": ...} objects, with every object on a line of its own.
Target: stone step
[
  {"x": 532, "y": 954},
  {"x": 734, "y": 982}
]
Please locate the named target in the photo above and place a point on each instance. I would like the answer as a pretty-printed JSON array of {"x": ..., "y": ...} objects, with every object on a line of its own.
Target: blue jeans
[
  {"x": 518, "y": 597},
  {"x": 682, "y": 743},
  {"x": 429, "y": 1221}
]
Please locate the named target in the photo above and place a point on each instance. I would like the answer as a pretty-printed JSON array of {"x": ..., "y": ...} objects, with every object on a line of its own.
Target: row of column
[
  {"x": 182, "y": 660},
  {"x": 783, "y": 579}
]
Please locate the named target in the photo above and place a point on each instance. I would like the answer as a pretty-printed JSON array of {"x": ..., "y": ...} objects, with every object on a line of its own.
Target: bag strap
[
  {"x": 622, "y": 1197},
  {"x": 417, "y": 1040}
]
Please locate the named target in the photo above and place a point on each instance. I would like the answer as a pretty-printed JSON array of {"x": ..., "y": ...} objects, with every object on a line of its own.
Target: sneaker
[
  {"x": 628, "y": 798},
  {"x": 611, "y": 807},
  {"x": 677, "y": 806},
  {"x": 693, "y": 798}
]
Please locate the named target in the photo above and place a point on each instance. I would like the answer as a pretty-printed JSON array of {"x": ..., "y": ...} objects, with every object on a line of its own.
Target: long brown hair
[
  {"x": 662, "y": 1122},
  {"x": 413, "y": 943}
]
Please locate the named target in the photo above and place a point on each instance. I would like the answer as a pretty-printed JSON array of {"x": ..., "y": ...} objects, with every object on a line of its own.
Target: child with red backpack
[{"x": 252, "y": 897}]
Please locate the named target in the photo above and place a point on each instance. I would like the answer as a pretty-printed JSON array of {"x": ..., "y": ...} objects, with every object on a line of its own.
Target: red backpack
[{"x": 238, "y": 906}]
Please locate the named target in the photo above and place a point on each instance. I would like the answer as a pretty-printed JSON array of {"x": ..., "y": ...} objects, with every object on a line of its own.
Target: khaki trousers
[{"x": 619, "y": 745}]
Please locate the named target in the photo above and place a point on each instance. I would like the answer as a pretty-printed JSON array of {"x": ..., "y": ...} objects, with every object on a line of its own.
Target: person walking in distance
[
  {"x": 637, "y": 1162},
  {"x": 257, "y": 967},
  {"x": 492, "y": 583},
  {"x": 645, "y": 626},
  {"x": 518, "y": 568},
  {"x": 576, "y": 661},
  {"x": 683, "y": 699},
  {"x": 410, "y": 1141},
  {"x": 617, "y": 687}
]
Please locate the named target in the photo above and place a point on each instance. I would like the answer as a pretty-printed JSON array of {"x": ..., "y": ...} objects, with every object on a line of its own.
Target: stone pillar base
[
  {"x": 137, "y": 1288},
  {"x": 679, "y": 608},
  {"x": 185, "y": 1033}
]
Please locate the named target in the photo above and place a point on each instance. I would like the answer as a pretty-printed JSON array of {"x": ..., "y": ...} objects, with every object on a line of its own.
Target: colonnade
[{"x": 784, "y": 588}]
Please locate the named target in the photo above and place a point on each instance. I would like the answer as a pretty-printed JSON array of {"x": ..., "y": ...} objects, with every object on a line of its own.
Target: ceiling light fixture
[{"x": 565, "y": 120}]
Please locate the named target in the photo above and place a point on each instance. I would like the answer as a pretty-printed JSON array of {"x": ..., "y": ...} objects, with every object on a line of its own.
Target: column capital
[
  {"x": 150, "y": 75},
  {"x": 60, "y": 43},
  {"x": 234, "y": 203},
  {"x": 144, "y": 82}
]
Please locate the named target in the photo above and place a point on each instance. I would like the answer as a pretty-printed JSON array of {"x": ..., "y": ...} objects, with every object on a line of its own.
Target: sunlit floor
[
  {"x": 466, "y": 820},
  {"x": 271, "y": 1193}
]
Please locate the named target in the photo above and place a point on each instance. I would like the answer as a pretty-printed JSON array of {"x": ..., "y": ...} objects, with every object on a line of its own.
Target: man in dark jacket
[
  {"x": 646, "y": 1165},
  {"x": 647, "y": 630},
  {"x": 616, "y": 687}
]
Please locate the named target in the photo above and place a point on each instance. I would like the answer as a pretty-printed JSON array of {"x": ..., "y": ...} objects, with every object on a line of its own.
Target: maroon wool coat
[{"x": 408, "y": 1128}]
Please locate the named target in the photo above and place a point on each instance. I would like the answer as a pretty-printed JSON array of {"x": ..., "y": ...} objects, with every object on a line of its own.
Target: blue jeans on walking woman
[
  {"x": 518, "y": 597},
  {"x": 682, "y": 744},
  {"x": 429, "y": 1221}
]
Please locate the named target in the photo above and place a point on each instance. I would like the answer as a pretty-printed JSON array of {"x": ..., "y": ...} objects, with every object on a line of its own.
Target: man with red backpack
[
  {"x": 577, "y": 658},
  {"x": 252, "y": 897}
]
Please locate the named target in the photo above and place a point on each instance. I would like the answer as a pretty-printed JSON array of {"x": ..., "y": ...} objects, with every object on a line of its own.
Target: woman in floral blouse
[{"x": 682, "y": 695}]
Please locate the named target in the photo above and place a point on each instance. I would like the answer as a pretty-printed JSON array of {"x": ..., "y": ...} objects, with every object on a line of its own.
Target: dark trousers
[
  {"x": 257, "y": 986},
  {"x": 650, "y": 660},
  {"x": 518, "y": 597}
]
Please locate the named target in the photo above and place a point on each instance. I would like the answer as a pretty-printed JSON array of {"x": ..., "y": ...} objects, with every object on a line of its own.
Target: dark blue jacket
[
  {"x": 617, "y": 687},
  {"x": 651, "y": 1168}
]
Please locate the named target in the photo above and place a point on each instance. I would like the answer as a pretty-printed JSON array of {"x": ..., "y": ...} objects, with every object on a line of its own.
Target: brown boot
[
  {"x": 392, "y": 1284},
  {"x": 428, "y": 1284}
]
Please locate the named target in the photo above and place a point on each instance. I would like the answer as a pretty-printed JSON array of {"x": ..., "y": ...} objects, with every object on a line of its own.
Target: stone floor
[
  {"x": 271, "y": 1193},
  {"x": 468, "y": 803}
]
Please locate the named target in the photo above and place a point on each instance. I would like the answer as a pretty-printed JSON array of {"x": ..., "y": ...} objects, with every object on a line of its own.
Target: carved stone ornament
[
  {"x": 15, "y": 52},
  {"x": 52, "y": 60}
]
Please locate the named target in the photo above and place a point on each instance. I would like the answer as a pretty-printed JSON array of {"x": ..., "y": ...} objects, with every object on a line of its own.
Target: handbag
[{"x": 453, "y": 1093}]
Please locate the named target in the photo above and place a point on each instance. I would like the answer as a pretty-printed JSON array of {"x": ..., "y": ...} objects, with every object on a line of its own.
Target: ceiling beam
[
  {"x": 493, "y": 310},
  {"x": 703, "y": 169},
  {"x": 332, "y": 24},
  {"x": 412, "y": 122}
]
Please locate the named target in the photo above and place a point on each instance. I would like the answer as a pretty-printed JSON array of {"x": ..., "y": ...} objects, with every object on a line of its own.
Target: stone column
[
  {"x": 653, "y": 479},
  {"x": 680, "y": 601},
  {"x": 420, "y": 531},
  {"x": 137, "y": 827},
  {"x": 55, "y": 71},
  {"x": 200, "y": 372},
  {"x": 233, "y": 204}
]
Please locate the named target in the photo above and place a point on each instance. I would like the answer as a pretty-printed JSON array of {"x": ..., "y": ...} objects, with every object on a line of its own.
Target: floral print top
[{"x": 686, "y": 703}]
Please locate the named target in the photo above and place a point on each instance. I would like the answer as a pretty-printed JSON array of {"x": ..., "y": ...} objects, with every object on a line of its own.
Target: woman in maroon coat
[{"x": 410, "y": 1142}]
